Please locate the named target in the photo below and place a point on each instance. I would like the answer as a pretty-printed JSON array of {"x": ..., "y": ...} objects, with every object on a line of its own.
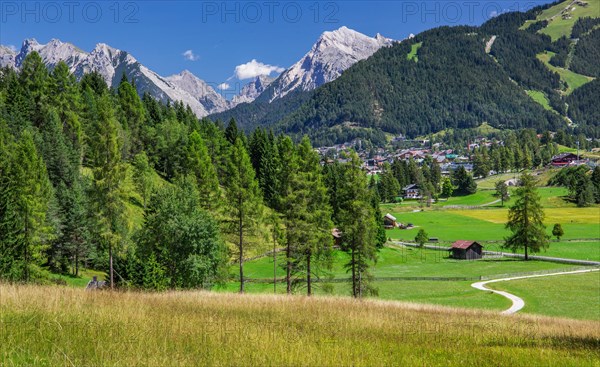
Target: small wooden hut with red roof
[{"x": 466, "y": 250}]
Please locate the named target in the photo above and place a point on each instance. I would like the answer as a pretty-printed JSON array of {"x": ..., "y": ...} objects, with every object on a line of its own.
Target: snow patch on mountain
[
  {"x": 333, "y": 53},
  {"x": 112, "y": 63}
]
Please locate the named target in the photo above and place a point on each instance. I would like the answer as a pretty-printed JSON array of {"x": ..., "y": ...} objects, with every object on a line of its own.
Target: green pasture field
[{"x": 574, "y": 295}]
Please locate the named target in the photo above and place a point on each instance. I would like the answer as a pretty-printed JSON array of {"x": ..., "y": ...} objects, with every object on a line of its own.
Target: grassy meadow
[
  {"x": 400, "y": 261},
  {"x": 540, "y": 98},
  {"x": 575, "y": 294},
  {"x": 572, "y": 79},
  {"x": 65, "y": 326},
  {"x": 558, "y": 27}
]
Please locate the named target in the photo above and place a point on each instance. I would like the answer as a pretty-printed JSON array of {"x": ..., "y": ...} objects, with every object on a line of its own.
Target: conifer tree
[
  {"x": 502, "y": 191},
  {"x": 308, "y": 215},
  {"x": 34, "y": 81},
  {"x": 289, "y": 164},
  {"x": 131, "y": 116},
  {"x": 231, "y": 132},
  {"x": 143, "y": 177},
  {"x": 199, "y": 164},
  {"x": 358, "y": 226},
  {"x": 244, "y": 202},
  {"x": 26, "y": 192},
  {"x": 109, "y": 175},
  {"x": 65, "y": 98},
  {"x": 526, "y": 219}
]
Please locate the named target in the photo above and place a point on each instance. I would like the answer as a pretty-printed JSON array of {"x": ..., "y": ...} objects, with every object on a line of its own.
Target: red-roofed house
[{"x": 466, "y": 250}]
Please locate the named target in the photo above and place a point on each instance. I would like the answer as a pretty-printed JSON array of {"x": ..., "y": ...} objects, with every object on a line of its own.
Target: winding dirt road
[{"x": 517, "y": 302}]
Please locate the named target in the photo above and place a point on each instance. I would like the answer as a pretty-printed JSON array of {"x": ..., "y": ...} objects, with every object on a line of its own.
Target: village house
[
  {"x": 565, "y": 159},
  {"x": 412, "y": 191},
  {"x": 466, "y": 250}
]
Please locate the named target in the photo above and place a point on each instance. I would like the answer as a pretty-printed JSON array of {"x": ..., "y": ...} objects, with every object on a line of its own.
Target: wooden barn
[
  {"x": 389, "y": 221},
  {"x": 466, "y": 250}
]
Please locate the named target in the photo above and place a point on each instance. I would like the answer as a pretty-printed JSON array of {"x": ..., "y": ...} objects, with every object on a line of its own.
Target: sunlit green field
[
  {"x": 403, "y": 261},
  {"x": 540, "y": 98},
  {"x": 558, "y": 26},
  {"x": 576, "y": 295},
  {"x": 399, "y": 261},
  {"x": 572, "y": 79}
]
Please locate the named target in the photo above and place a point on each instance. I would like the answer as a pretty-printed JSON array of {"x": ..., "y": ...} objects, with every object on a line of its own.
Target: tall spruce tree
[
  {"x": 65, "y": 98},
  {"x": 27, "y": 193},
  {"x": 34, "y": 80}
]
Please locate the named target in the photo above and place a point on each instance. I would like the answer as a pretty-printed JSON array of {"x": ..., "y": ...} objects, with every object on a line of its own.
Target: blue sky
[{"x": 221, "y": 35}]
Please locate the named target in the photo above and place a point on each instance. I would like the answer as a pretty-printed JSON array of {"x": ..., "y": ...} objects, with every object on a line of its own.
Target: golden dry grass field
[{"x": 65, "y": 326}]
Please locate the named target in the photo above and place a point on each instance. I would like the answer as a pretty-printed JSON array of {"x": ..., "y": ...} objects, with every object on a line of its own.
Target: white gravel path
[{"x": 517, "y": 302}]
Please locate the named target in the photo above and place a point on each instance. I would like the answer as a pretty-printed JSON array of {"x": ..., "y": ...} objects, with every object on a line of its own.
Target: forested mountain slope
[{"x": 447, "y": 78}]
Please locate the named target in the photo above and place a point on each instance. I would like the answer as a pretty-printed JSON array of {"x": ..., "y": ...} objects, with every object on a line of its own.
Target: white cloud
[
  {"x": 190, "y": 56},
  {"x": 255, "y": 68},
  {"x": 223, "y": 86},
  {"x": 493, "y": 13},
  {"x": 12, "y": 48}
]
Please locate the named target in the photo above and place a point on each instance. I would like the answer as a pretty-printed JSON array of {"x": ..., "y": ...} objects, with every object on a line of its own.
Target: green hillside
[
  {"x": 445, "y": 78},
  {"x": 562, "y": 17}
]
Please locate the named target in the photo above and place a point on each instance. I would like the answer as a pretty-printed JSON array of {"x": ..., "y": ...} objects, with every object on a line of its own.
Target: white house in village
[{"x": 412, "y": 191}]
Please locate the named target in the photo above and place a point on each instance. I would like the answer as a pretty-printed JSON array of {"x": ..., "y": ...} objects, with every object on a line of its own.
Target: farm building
[
  {"x": 466, "y": 250},
  {"x": 389, "y": 221}
]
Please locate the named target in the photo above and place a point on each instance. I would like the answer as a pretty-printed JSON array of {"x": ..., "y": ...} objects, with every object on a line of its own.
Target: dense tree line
[
  {"x": 584, "y": 109},
  {"x": 584, "y": 25},
  {"x": 101, "y": 178},
  {"x": 582, "y": 182},
  {"x": 586, "y": 55}
]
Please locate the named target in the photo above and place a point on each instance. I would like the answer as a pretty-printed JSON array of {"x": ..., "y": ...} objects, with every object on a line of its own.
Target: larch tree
[
  {"x": 143, "y": 177},
  {"x": 289, "y": 164},
  {"x": 526, "y": 219},
  {"x": 199, "y": 164},
  {"x": 109, "y": 175},
  {"x": 358, "y": 226},
  {"x": 131, "y": 116},
  {"x": 244, "y": 202},
  {"x": 65, "y": 98},
  {"x": 502, "y": 191},
  {"x": 308, "y": 216}
]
